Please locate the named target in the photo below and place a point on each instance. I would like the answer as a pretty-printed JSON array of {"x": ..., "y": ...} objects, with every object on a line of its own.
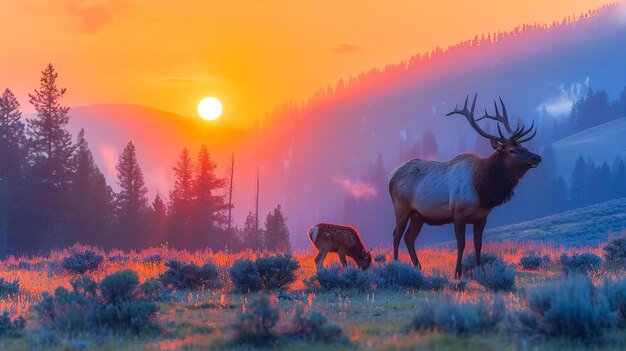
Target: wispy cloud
[
  {"x": 355, "y": 188},
  {"x": 346, "y": 48},
  {"x": 561, "y": 105},
  {"x": 89, "y": 16}
]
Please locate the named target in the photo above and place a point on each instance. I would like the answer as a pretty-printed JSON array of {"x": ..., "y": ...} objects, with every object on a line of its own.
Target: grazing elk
[
  {"x": 462, "y": 190},
  {"x": 343, "y": 240}
]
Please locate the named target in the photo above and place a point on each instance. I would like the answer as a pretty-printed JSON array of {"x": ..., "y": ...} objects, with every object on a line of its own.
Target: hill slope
[{"x": 587, "y": 225}]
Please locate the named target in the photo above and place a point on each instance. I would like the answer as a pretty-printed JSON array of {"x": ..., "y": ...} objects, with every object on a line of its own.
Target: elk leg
[
  {"x": 479, "y": 227},
  {"x": 459, "y": 231},
  {"x": 401, "y": 221},
  {"x": 409, "y": 239},
  {"x": 342, "y": 258},
  {"x": 321, "y": 255}
]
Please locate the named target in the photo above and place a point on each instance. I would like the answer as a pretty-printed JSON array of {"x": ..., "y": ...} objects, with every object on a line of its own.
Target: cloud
[
  {"x": 89, "y": 16},
  {"x": 346, "y": 48},
  {"x": 355, "y": 188},
  {"x": 561, "y": 105}
]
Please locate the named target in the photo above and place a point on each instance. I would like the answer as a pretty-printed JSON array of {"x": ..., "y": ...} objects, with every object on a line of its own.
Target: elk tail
[{"x": 312, "y": 233}]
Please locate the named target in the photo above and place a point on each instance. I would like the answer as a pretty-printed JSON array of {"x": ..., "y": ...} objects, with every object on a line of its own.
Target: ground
[{"x": 203, "y": 319}]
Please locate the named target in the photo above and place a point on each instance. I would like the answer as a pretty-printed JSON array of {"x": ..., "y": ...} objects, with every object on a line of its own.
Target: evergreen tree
[
  {"x": 618, "y": 181},
  {"x": 181, "y": 202},
  {"x": 12, "y": 169},
  {"x": 591, "y": 110},
  {"x": 579, "y": 184},
  {"x": 91, "y": 207},
  {"x": 158, "y": 222},
  {"x": 50, "y": 153},
  {"x": 276, "y": 232},
  {"x": 619, "y": 105},
  {"x": 131, "y": 201},
  {"x": 251, "y": 237},
  {"x": 210, "y": 204}
]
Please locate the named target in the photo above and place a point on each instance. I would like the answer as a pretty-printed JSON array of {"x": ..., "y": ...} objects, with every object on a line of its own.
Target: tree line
[{"x": 52, "y": 193}]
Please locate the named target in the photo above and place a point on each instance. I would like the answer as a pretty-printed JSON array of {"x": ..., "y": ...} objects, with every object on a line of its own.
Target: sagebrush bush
[
  {"x": 116, "y": 304},
  {"x": 9, "y": 288},
  {"x": 531, "y": 262},
  {"x": 581, "y": 263},
  {"x": 458, "y": 318},
  {"x": 436, "y": 282},
  {"x": 82, "y": 262},
  {"x": 153, "y": 259},
  {"x": 337, "y": 279},
  {"x": 615, "y": 293},
  {"x": 256, "y": 326},
  {"x": 277, "y": 271},
  {"x": 396, "y": 275},
  {"x": 327, "y": 279},
  {"x": 313, "y": 326},
  {"x": 469, "y": 262},
  {"x": 380, "y": 258},
  {"x": 495, "y": 276},
  {"x": 572, "y": 308},
  {"x": 190, "y": 276},
  {"x": 615, "y": 248},
  {"x": 245, "y": 275},
  {"x": 11, "y": 328}
]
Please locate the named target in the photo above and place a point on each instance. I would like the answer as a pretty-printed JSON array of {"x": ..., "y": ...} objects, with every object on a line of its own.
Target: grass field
[{"x": 371, "y": 320}]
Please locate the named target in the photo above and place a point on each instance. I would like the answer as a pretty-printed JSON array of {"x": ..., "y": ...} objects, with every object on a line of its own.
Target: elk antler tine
[
  {"x": 474, "y": 104},
  {"x": 528, "y": 138},
  {"x": 496, "y": 107},
  {"x": 528, "y": 131},
  {"x": 465, "y": 105},
  {"x": 500, "y": 132},
  {"x": 503, "y": 109}
]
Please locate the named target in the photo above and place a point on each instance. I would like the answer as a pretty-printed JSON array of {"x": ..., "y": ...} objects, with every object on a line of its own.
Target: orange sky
[{"x": 252, "y": 55}]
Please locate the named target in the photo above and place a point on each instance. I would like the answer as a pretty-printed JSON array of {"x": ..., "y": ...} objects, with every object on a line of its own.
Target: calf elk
[{"x": 343, "y": 240}]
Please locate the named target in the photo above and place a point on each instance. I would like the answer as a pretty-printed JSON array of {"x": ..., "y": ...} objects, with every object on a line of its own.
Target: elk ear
[{"x": 496, "y": 145}]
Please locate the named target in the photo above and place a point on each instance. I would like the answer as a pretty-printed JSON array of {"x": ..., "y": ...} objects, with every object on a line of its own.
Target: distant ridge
[{"x": 583, "y": 226}]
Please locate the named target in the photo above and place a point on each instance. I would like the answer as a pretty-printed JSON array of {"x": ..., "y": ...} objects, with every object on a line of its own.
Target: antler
[
  {"x": 469, "y": 115},
  {"x": 515, "y": 135}
]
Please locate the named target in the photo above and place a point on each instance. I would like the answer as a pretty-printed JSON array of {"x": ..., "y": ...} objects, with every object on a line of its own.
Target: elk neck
[{"x": 494, "y": 181}]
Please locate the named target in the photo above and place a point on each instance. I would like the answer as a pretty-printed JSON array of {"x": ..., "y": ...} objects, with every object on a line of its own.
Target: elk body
[
  {"x": 463, "y": 190},
  {"x": 343, "y": 240}
]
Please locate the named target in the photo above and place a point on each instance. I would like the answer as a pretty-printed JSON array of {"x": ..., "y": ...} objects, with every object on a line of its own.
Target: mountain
[
  {"x": 602, "y": 143},
  {"x": 583, "y": 226}
]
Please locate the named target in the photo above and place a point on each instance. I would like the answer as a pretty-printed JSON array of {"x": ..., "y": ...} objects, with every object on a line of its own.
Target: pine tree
[
  {"x": 619, "y": 178},
  {"x": 252, "y": 237},
  {"x": 276, "y": 232},
  {"x": 12, "y": 168},
  {"x": 579, "y": 184},
  {"x": 210, "y": 205},
  {"x": 50, "y": 154},
  {"x": 131, "y": 201},
  {"x": 181, "y": 202},
  {"x": 158, "y": 222}
]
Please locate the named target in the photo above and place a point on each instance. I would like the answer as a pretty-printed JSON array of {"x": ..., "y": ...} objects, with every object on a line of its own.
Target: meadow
[{"x": 350, "y": 310}]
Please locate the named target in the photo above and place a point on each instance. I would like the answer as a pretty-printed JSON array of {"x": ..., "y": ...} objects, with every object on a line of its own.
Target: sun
[{"x": 210, "y": 108}]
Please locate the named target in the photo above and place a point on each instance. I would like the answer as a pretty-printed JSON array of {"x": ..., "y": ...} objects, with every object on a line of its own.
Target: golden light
[{"x": 210, "y": 108}]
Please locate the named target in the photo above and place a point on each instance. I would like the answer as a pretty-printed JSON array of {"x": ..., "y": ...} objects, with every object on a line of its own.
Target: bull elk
[{"x": 463, "y": 190}]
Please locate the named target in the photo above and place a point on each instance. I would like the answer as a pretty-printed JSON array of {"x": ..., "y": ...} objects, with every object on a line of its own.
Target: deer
[
  {"x": 343, "y": 240},
  {"x": 463, "y": 190}
]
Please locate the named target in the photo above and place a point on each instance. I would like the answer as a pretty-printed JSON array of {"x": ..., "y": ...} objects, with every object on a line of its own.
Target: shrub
[
  {"x": 355, "y": 279},
  {"x": 436, "y": 282},
  {"x": 153, "y": 289},
  {"x": 495, "y": 276},
  {"x": 615, "y": 293},
  {"x": 469, "y": 262},
  {"x": 256, "y": 325},
  {"x": 11, "y": 328},
  {"x": 9, "y": 288},
  {"x": 380, "y": 258},
  {"x": 245, "y": 275},
  {"x": 571, "y": 308},
  {"x": 190, "y": 276},
  {"x": 327, "y": 278},
  {"x": 396, "y": 275},
  {"x": 581, "y": 263},
  {"x": 116, "y": 304},
  {"x": 277, "y": 271},
  {"x": 25, "y": 265},
  {"x": 153, "y": 259},
  {"x": 118, "y": 258},
  {"x": 82, "y": 262},
  {"x": 615, "y": 248},
  {"x": 530, "y": 262},
  {"x": 313, "y": 326},
  {"x": 333, "y": 278},
  {"x": 458, "y": 318}
]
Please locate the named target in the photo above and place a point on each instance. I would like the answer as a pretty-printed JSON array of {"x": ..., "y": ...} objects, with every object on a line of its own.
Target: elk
[
  {"x": 463, "y": 190},
  {"x": 343, "y": 240}
]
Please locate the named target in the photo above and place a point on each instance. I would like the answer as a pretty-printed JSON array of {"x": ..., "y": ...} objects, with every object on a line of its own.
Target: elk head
[
  {"x": 509, "y": 148},
  {"x": 365, "y": 260}
]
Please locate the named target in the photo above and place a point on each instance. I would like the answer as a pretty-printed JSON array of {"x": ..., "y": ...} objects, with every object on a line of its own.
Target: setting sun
[{"x": 210, "y": 108}]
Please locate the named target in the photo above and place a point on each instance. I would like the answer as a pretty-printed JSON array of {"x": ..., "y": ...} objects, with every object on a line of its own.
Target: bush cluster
[
  {"x": 115, "y": 304},
  {"x": 531, "y": 262},
  {"x": 581, "y": 263},
  {"x": 11, "y": 328},
  {"x": 9, "y": 288},
  {"x": 458, "y": 318},
  {"x": 495, "y": 276},
  {"x": 258, "y": 326},
  {"x": 269, "y": 273},
  {"x": 82, "y": 262},
  {"x": 469, "y": 262},
  {"x": 190, "y": 276},
  {"x": 336, "y": 279},
  {"x": 615, "y": 249}
]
